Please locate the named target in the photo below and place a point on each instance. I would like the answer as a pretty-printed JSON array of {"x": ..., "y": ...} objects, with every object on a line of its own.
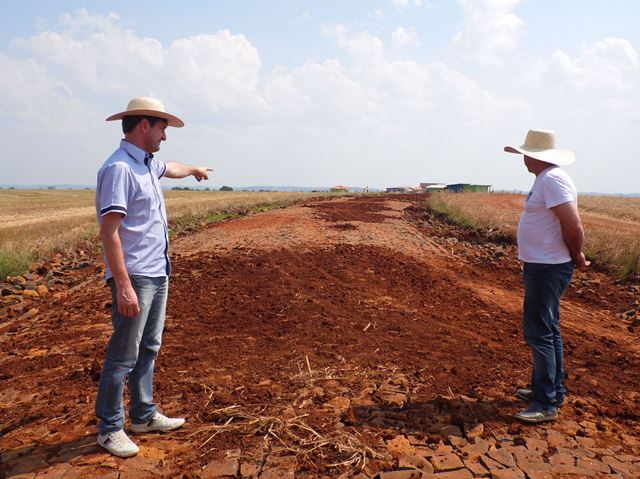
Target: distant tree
[
  {"x": 51, "y": 187},
  {"x": 207, "y": 189},
  {"x": 226, "y": 188},
  {"x": 11, "y": 188}
]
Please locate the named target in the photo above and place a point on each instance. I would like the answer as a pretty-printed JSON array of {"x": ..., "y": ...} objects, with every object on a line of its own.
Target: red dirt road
[{"x": 300, "y": 340}]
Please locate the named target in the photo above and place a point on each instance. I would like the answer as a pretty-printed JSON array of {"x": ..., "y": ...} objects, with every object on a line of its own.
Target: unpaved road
[{"x": 310, "y": 341}]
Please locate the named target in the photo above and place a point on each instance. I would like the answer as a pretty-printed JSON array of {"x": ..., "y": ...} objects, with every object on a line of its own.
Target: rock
[
  {"x": 416, "y": 462},
  {"x": 30, "y": 293},
  {"x": 566, "y": 470},
  {"x": 594, "y": 465},
  {"x": 41, "y": 289},
  {"x": 562, "y": 458},
  {"x": 7, "y": 292},
  {"x": 249, "y": 470},
  {"x": 392, "y": 399},
  {"x": 568, "y": 427},
  {"x": 475, "y": 450},
  {"x": 503, "y": 457},
  {"x": 458, "y": 474},
  {"x": 404, "y": 474},
  {"x": 400, "y": 446},
  {"x": 537, "y": 445},
  {"x": 477, "y": 469},
  {"x": 457, "y": 442},
  {"x": 450, "y": 430},
  {"x": 490, "y": 464},
  {"x": 446, "y": 463},
  {"x": 338, "y": 405},
  {"x": 477, "y": 431},
  {"x": 223, "y": 468},
  {"x": 555, "y": 439},
  {"x": 510, "y": 473}
]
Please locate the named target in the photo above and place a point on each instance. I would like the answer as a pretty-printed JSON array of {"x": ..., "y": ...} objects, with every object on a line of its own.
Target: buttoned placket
[{"x": 157, "y": 192}]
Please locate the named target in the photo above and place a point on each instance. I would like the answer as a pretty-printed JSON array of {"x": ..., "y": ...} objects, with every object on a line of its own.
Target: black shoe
[{"x": 527, "y": 395}]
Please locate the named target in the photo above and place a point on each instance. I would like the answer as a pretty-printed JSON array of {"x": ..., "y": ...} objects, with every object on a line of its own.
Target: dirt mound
[{"x": 343, "y": 336}]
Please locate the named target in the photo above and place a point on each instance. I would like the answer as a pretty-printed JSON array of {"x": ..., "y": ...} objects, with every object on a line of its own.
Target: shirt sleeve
[
  {"x": 557, "y": 189},
  {"x": 114, "y": 185},
  {"x": 157, "y": 167}
]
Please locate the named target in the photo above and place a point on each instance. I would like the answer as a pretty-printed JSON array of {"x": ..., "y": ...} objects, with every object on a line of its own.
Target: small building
[
  {"x": 399, "y": 189},
  {"x": 339, "y": 189},
  {"x": 432, "y": 187},
  {"x": 468, "y": 187}
]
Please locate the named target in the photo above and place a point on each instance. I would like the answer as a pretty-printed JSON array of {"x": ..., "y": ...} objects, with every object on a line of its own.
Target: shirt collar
[{"x": 136, "y": 153}]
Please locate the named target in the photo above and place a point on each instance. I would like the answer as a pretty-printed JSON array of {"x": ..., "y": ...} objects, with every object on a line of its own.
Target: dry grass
[
  {"x": 612, "y": 224},
  {"x": 37, "y": 223}
]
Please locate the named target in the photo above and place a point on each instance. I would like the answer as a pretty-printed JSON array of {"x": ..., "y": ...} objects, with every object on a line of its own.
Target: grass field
[
  {"x": 34, "y": 224},
  {"x": 612, "y": 224}
]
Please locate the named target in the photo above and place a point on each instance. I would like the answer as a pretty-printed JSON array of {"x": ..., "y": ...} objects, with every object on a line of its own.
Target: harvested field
[{"x": 339, "y": 337}]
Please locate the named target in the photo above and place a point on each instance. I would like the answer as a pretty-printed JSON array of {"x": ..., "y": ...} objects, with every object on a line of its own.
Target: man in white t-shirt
[{"x": 550, "y": 240}]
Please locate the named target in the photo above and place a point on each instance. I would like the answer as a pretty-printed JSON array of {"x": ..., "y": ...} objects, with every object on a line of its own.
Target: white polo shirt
[{"x": 539, "y": 234}]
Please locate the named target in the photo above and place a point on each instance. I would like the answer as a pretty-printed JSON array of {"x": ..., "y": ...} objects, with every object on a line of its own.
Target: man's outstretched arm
[{"x": 179, "y": 170}]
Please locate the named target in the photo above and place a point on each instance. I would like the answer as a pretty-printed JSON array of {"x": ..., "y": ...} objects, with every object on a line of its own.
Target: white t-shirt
[{"x": 539, "y": 234}]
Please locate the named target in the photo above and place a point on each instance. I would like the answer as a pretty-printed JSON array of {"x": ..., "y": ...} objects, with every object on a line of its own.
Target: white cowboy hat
[
  {"x": 541, "y": 145},
  {"x": 146, "y": 106}
]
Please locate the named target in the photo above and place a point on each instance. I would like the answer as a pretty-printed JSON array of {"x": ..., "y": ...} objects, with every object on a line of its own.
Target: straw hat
[
  {"x": 143, "y": 105},
  {"x": 541, "y": 145}
]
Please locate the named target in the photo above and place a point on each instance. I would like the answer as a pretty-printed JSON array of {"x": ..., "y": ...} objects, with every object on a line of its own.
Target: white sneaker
[
  {"x": 159, "y": 422},
  {"x": 118, "y": 444}
]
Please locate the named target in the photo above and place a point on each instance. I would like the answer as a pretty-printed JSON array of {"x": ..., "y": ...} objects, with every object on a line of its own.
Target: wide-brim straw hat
[
  {"x": 146, "y": 106},
  {"x": 541, "y": 145}
]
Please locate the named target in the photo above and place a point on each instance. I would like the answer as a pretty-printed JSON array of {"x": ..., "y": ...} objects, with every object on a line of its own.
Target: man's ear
[{"x": 144, "y": 125}]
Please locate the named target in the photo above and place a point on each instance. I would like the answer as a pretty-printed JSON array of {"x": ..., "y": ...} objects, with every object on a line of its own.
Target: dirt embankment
[{"x": 345, "y": 336}]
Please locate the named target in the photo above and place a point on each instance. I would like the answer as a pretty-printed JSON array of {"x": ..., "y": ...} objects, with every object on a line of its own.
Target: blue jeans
[
  {"x": 132, "y": 353},
  {"x": 544, "y": 284}
]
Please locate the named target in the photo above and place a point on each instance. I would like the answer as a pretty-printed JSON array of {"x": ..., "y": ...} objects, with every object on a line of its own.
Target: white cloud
[
  {"x": 402, "y": 38},
  {"x": 608, "y": 64},
  {"x": 402, "y": 4},
  {"x": 490, "y": 28}
]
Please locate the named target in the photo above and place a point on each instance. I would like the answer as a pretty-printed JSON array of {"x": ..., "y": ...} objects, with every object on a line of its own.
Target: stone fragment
[
  {"x": 537, "y": 445},
  {"x": 566, "y": 469},
  {"x": 457, "y": 442},
  {"x": 503, "y": 457},
  {"x": 476, "y": 431},
  {"x": 477, "y": 469},
  {"x": 29, "y": 293},
  {"x": 221, "y": 468},
  {"x": 594, "y": 465},
  {"x": 474, "y": 451},
  {"x": 42, "y": 290},
  {"x": 278, "y": 473},
  {"x": 338, "y": 405},
  {"x": 446, "y": 463},
  {"x": 416, "y": 462},
  {"x": 400, "y": 446},
  {"x": 451, "y": 430},
  {"x": 403, "y": 474},
  {"x": 249, "y": 470},
  {"x": 568, "y": 427},
  {"x": 392, "y": 399},
  {"x": 585, "y": 441},
  {"x": 562, "y": 458},
  {"x": 490, "y": 463},
  {"x": 556, "y": 439},
  {"x": 457, "y": 474},
  {"x": 509, "y": 473}
]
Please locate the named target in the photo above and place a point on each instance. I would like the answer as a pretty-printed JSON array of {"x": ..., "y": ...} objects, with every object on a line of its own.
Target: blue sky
[{"x": 377, "y": 93}]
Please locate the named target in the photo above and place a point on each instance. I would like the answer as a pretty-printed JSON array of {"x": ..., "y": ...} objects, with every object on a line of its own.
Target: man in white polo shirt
[
  {"x": 550, "y": 241},
  {"x": 133, "y": 228}
]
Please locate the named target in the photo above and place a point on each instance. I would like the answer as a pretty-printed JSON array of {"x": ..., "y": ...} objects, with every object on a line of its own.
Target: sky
[{"x": 318, "y": 93}]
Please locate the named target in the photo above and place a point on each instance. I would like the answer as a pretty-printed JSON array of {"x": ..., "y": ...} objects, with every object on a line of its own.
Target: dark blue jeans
[
  {"x": 131, "y": 355},
  {"x": 544, "y": 284}
]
